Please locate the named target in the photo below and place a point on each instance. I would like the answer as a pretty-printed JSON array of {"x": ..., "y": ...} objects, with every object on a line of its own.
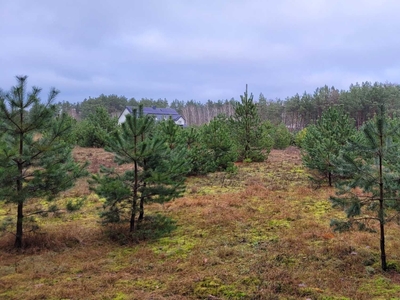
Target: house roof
[{"x": 159, "y": 113}]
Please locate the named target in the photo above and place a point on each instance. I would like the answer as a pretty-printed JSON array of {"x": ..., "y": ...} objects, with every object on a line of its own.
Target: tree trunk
[
  {"x": 20, "y": 209},
  {"x": 18, "y": 235},
  {"x": 135, "y": 193},
  {"x": 141, "y": 202},
  {"x": 382, "y": 239},
  {"x": 141, "y": 207},
  {"x": 141, "y": 210},
  {"x": 330, "y": 178},
  {"x": 133, "y": 216},
  {"x": 381, "y": 210}
]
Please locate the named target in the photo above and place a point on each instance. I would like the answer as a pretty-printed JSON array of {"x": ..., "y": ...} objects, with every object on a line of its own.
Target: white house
[{"x": 158, "y": 113}]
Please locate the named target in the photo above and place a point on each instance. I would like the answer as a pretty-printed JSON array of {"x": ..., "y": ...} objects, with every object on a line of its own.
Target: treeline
[
  {"x": 114, "y": 105},
  {"x": 359, "y": 101},
  {"x": 294, "y": 112}
]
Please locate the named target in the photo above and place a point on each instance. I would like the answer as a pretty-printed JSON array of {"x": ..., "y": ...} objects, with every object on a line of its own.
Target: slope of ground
[{"x": 262, "y": 233}]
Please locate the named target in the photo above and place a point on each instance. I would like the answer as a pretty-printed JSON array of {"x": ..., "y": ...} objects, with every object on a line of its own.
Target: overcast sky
[{"x": 197, "y": 49}]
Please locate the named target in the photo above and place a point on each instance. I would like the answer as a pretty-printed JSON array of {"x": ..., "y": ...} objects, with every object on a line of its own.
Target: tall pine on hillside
[
  {"x": 247, "y": 129},
  {"x": 35, "y": 161},
  {"x": 324, "y": 141},
  {"x": 371, "y": 195}
]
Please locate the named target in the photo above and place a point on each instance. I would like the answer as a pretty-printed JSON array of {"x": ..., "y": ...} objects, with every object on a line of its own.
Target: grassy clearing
[{"x": 260, "y": 234}]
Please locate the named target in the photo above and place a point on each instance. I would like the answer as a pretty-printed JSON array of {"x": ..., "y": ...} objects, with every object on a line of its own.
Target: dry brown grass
[
  {"x": 97, "y": 157},
  {"x": 261, "y": 234}
]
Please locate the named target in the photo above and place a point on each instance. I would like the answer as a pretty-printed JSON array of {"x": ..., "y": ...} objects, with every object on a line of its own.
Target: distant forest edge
[{"x": 360, "y": 101}]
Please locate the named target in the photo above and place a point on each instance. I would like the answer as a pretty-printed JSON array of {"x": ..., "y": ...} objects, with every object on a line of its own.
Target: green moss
[
  {"x": 174, "y": 246},
  {"x": 272, "y": 224},
  {"x": 216, "y": 288},
  {"x": 16, "y": 277},
  {"x": 252, "y": 284},
  {"x": 298, "y": 170},
  {"x": 250, "y": 281},
  {"x": 255, "y": 235},
  {"x": 317, "y": 208},
  {"x": 120, "y": 296},
  {"x": 200, "y": 233},
  {"x": 6, "y": 270},
  {"x": 93, "y": 200},
  {"x": 120, "y": 257},
  {"x": 147, "y": 284},
  {"x": 381, "y": 286},
  {"x": 9, "y": 295},
  {"x": 122, "y": 253},
  {"x": 212, "y": 190},
  {"x": 207, "y": 190}
]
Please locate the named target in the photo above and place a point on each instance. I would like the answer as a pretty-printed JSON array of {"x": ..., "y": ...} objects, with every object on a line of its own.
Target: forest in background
[{"x": 296, "y": 112}]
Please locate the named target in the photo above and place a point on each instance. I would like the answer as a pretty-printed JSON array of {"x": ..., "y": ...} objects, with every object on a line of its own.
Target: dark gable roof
[{"x": 159, "y": 113}]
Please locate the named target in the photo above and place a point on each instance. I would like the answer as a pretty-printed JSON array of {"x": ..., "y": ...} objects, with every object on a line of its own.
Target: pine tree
[
  {"x": 96, "y": 128},
  {"x": 324, "y": 141},
  {"x": 247, "y": 126},
  {"x": 199, "y": 156},
  {"x": 374, "y": 169},
  {"x": 170, "y": 131},
  {"x": 34, "y": 160},
  {"x": 216, "y": 137},
  {"x": 280, "y": 135},
  {"x": 157, "y": 174}
]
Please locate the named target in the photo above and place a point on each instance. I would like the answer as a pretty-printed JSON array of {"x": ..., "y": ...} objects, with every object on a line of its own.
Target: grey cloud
[{"x": 198, "y": 49}]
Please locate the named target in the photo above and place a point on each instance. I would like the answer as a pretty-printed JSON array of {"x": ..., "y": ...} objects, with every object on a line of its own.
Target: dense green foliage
[
  {"x": 198, "y": 154},
  {"x": 247, "y": 130},
  {"x": 324, "y": 141},
  {"x": 112, "y": 103},
  {"x": 209, "y": 148},
  {"x": 171, "y": 132},
  {"x": 281, "y": 136},
  {"x": 95, "y": 130},
  {"x": 217, "y": 139},
  {"x": 299, "y": 137},
  {"x": 157, "y": 174},
  {"x": 35, "y": 160},
  {"x": 374, "y": 169}
]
